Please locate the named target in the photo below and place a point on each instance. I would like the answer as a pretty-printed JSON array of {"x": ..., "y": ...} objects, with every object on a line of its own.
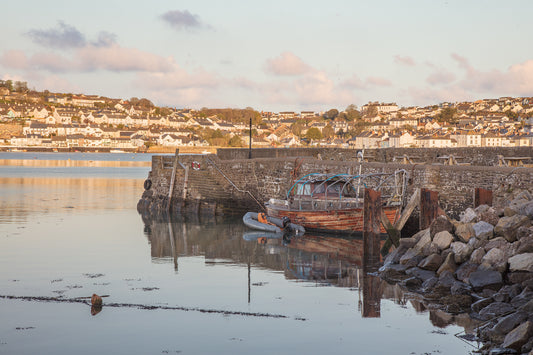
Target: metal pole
[{"x": 250, "y": 149}]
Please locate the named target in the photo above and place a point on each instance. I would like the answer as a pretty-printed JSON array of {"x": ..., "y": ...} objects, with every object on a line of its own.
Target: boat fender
[
  {"x": 147, "y": 184},
  {"x": 261, "y": 218},
  {"x": 195, "y": 165}
]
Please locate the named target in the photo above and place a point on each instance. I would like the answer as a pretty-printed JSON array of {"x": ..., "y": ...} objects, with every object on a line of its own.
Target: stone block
[
  {"x": 518, "y": 336},
  {"x": 432, "y": 262},
  {"x": 508, "y": 226},
  {"x": 461, "y": 252},
  {"x": 485, "y": 279},
  {"x": 483, "y": 230},
  {"x": 464, "y": 231},
  {"x": 448, "y": 264},
  {"x": 443, "y": 240},
  {"x": 521, "y": 262}
]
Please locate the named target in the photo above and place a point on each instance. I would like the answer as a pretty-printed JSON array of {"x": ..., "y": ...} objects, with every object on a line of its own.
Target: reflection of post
[
  {"x": 371, "y": 253},
  {"x": 172, "y": 245},
  {"x": 371, "y": 229},
  {"x": 249, "y": 279},
  {"x": 371, "y": 296}
]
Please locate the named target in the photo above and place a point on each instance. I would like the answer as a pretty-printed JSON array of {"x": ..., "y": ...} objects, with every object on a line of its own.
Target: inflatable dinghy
[{"x": 260, "y": 221}]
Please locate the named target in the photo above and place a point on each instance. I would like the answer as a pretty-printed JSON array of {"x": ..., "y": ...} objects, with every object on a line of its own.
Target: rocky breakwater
[{"x": 481, "y": 265}]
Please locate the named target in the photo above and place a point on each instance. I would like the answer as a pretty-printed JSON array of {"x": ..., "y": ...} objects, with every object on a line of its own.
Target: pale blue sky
[{"x": 275, "y": 55}]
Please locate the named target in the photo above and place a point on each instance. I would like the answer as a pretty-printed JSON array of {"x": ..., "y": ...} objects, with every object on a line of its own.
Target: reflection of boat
[
  {"x": 334, "y": 203},
  {"x": 116, "y": 151},
  {"x": 261, "y": 222},
  {"x": 258, "y": 236}
]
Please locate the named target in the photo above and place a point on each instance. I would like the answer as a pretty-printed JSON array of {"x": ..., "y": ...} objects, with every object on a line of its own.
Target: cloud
[
  {"x": 14, "y": 59},
  {"x": 377, "y": 81},
  {"x": 183, "y": 20},
  {"x": 404, "y": 60},
  {"x": 356, "y": 83},
  {"x": 105, "y": 39},
  {"x": 440, "y": 76},
  {"x": 287, "y": 64},
  {"x": 63, "y": 36},
  {"x": 88, "y": 59}
]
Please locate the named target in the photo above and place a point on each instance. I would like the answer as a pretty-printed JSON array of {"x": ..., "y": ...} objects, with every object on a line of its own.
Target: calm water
[{"x": 69, "y": 230}]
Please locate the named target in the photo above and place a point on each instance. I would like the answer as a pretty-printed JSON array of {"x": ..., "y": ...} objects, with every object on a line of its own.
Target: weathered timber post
[
  {"x": 372, "y": 213},
  {"x": 482, "y": 197},
  {"x": 429, "y": 207},
  {"x": 371, "y": 228},
  {"x": 172, "y": 179},
  {"x": 394, "y": 231}
]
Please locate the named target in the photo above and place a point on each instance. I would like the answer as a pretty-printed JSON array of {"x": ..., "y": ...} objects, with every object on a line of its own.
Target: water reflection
[{"x": 325, "y": 261}]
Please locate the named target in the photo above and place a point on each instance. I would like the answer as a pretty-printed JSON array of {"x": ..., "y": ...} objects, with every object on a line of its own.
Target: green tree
[
  {"x": 297, "y": 128},
  {"x": 235, "y": 141},
  {"x": 328, "y": 132},
  {"x": 313, "y": 133},
  {"x": 331, "y": 114},
  {"x": 448, "y": 114}
]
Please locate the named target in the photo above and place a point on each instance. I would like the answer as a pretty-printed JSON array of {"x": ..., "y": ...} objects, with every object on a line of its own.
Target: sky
[{"x": 271, "y": 55}]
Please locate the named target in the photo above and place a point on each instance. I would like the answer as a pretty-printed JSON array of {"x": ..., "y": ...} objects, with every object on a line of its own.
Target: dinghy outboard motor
[{"x": 286, "y": 223}]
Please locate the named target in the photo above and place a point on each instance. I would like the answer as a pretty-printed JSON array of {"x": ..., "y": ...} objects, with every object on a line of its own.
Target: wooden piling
[
  {"x": 172, "y": 179},
  {"x": 371, "y": 229},
  {"x": 482, "y": 197},
  {"x": 429, "y": 207}
]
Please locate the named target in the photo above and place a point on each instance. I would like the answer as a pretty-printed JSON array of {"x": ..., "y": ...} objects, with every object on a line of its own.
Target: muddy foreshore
[{"x": 481, "y": 265}]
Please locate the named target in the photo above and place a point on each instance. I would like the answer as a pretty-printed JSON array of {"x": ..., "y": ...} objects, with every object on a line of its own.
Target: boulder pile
[{"x": 481, "y": 265}]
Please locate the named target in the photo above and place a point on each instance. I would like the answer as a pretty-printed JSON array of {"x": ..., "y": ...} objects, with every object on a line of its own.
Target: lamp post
[{"x": 250, "y": 149}]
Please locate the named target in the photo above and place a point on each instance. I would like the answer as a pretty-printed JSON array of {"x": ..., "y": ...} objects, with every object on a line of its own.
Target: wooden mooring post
[
  {"x": 173, "y": 179},
  {"x": 482, "y": 197},
  {"x": 394, "y": 230},
  {"x": 371, "y": 229},
  {"x": 429, "y": 207}
]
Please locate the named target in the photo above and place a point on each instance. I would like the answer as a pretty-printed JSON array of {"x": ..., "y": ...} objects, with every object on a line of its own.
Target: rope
[{"x": 232, "y": 184}]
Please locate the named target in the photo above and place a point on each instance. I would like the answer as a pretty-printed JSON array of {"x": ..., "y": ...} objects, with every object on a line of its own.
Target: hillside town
[{"x": 59, "y": 121}]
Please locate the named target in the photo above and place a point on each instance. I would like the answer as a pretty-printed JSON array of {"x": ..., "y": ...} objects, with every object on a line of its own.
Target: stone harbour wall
[{"x": 226, "y": 186}]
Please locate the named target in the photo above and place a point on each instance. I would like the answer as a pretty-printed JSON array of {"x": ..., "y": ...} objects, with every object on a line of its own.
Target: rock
[
  {"x": 409, "y": 254},
  {"x": 499, "y": 243},
  {"x": 457, "y": 303},
  {"x": 461, "y": 288},
  {"x": 502, "y": 351},
  {"x": 527, "y": 209},
  {"x": 428, "y": 285},
  {"x": 528, "y": 307},
  {"x": 441, "y": 223},
  {"x": 408, "y": 242},
  {"x": 490, "y": 215},
  {"x": 461, "y": 252},
  {"x": 424, "y": 240},
  {"x": 506, "y": 324},
  {"x": 525, "y": 242},
  {"x": 518, "y": 336},
  {"x": 393, "y": 274},
  {"x": 477, "y": 256},
  {"x": 506, "y": 293},
  {"x": 432, "y": 262},
  {"x": 483, "y": 230},
  {"x": 524, "y": 297},
  {"x": 468, "y": 216},
  {"x": 521, "y": 262},
  {"x": 411, "y": 283},
  {"x": 479, "y": 305},
  {"x": 507, "y": 226},
  {"x": 509, "y": 212},
  {"x": 495, "y": 259},
  {"x": 96, "y": 300},
  {"x": 495, "y": 309},
  {"x": 524, "y": 195},
  {"x": 414, "y": 261},
  {"x": 464, "y": 231},
  {"x": 419, "y": 273},
  {"x": 485, "y": 279},
  {"x": 518, "y": 277},
  {"x": 448, "y": 264},
  {"x": 443, "y": 239},
  {"x": 420, "y": 234},
  {"x": 463, "y": 271}
]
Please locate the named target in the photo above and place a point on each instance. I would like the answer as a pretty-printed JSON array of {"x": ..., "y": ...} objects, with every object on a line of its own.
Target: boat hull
[{"x": 346, "y": 221}]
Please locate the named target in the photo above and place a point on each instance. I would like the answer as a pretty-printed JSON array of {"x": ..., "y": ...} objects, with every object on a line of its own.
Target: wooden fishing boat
[{"x": 329, "y": 203}]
